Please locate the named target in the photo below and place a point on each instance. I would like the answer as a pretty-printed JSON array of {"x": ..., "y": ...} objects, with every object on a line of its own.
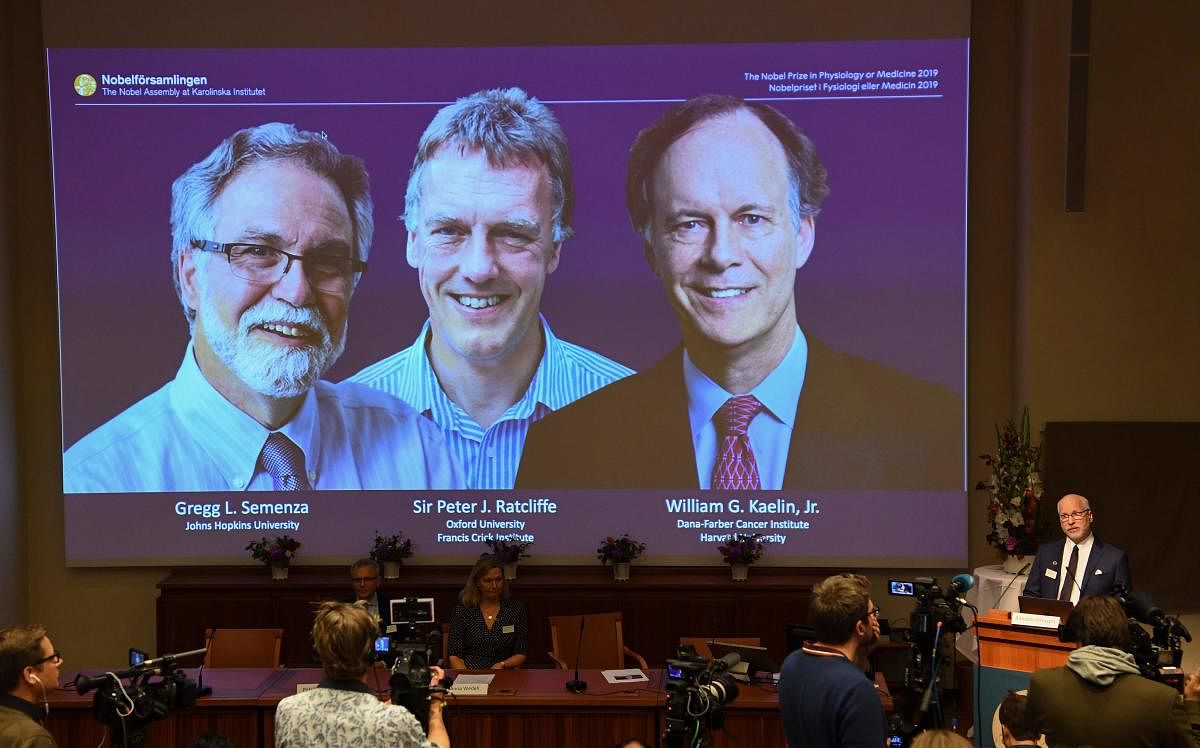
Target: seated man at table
[
  {"x": 1100, "y": 699},
  {"x": 29, "y": 668},
  {"x": 825, "y": 697},
  {"x": 365, "y": 579},
  {"x": 341, "y": 710}
]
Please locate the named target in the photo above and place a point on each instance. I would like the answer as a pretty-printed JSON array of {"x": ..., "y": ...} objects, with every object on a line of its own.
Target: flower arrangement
[
  {"x": 508, "y": 553},
  {"x": 620, "y": 550},
  {"x": 393, "y": 548},
  {"x": 277, "y": 552},
  {"x": 1014, "y": 489},
  {"x": 742, "y": 549}
]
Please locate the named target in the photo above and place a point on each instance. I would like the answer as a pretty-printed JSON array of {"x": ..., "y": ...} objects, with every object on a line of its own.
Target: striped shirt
[{"x": 490, "y": 456}]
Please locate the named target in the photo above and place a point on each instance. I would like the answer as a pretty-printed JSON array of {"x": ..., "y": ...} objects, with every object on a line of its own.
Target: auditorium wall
[{"x": 1087, "y": 315}]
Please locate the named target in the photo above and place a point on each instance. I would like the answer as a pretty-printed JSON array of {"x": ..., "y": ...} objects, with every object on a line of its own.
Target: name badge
[
  {"x": 510, "y": 629},
  {"x": 1051, "y": 574}
]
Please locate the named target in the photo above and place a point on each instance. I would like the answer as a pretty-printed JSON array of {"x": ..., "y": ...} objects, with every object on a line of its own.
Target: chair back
[
  {"x": 242, "y": 647},
  {"x": 602, "y": 645}
]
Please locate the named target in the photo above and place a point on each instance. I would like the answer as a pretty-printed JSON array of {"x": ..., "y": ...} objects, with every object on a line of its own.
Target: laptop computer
[{"x": 1043, "y": 607}]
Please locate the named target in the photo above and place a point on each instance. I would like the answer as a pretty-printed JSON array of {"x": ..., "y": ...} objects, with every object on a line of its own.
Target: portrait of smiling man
[
  {"x": 725, "y": 194},
  {"x": 488, "y": 208},
  {"x": 270, "y": 236}
]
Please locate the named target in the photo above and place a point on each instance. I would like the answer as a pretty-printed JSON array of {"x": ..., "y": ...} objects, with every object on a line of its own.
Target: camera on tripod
[{"x": 697, "y": 691}]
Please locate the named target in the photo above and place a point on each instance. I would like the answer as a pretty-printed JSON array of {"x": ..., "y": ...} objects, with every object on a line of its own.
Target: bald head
[{"x": 1075, "y": 516}]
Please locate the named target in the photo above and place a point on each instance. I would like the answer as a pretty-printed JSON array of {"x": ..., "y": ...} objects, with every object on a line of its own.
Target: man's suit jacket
[
  {"x": 859, "y": 424},
  {"x": 1107, "y": 567},
  {"x": 385, "y": 610}
]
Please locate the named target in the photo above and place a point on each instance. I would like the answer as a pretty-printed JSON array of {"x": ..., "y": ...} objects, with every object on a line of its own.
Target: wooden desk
[
  {"x": 523, "y": 707},
  {"x": 1002, "y": 645},
  {"x": 658, "y": 604}
]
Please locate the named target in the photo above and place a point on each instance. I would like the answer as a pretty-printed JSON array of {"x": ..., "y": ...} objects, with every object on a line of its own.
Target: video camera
[
  {"x": 1156, "y": 651},
  {"x": 410, "y": 658},
  {"x": 126, "y": 709},
  {"x": 935, "y": 614},
  {"x": 697, "y": 691}
]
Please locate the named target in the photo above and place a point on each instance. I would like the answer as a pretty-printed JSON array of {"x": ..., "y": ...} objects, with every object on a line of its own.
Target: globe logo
[{"x": 85, "y": 85}]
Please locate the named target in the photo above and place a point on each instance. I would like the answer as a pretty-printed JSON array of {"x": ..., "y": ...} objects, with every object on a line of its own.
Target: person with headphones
[
  {"x": 342, "y": 710},
  {"x": 29, "y": 667}
]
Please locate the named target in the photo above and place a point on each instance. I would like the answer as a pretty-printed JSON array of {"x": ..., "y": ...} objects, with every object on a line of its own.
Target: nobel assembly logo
[{"x": 85, "y": 85}]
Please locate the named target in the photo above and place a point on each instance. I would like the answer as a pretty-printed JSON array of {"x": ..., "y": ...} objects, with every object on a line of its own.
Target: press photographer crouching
[
  {"x": 342, "y": 710},
  {"x": 1099, "y": 698}
]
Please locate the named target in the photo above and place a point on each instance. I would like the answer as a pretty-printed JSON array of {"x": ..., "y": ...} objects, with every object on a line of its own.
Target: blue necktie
[{"x": 284, "y": 462}]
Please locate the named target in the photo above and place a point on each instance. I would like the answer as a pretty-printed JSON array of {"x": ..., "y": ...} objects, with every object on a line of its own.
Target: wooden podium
[
  {"x": 1003, "y": 645},
  {"x": 1007, "y": 654}
]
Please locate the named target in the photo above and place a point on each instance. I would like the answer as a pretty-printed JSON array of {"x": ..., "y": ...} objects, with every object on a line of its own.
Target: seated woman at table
[{"x": 488, "y": 630}]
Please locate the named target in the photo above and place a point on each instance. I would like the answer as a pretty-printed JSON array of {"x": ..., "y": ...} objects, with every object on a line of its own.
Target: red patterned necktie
[
  {"x": 284, "y": 462},
  {"x": 735, "y": 468}
]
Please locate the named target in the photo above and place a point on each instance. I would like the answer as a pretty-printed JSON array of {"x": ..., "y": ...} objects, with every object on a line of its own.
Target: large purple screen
[{"x": 885, "y": 282}]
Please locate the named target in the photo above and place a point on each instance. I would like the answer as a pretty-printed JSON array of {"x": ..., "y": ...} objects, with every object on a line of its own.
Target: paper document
[{"x": 629, "y": 675}]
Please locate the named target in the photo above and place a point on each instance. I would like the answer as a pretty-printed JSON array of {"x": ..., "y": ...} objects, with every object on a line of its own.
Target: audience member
[
  {"x": 1100, "y": 699},
  {"x": 941, "y": 739},
  {"x": 1017, "y": 727},
  {"x": 29, "y": 667}
]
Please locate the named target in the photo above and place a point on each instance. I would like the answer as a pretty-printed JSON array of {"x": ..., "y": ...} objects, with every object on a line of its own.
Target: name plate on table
[
  {"x": 1036, "y": 621},
  {"x": 471, "y": 685}
]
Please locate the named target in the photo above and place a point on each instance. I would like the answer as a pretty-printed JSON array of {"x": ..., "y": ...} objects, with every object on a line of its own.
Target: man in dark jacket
[
  {"x": 29, "y": 668},
  {"x": 1099, "y": 699}
]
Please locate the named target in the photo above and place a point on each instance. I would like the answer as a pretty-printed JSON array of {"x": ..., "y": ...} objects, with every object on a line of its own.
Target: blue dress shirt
[
  {"x": 490, "y": 456},
  {"x": 771, "y": 430}
]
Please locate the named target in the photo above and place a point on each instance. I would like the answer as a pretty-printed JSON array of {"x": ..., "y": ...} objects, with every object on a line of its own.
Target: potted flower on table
[
  {"x": 390, "y": 551},
  {"x": 508, "y": 554},
  {"x": 739, "y": 551},
  {"x": 620, "y": 552},
  {"x": 277, "y": 553}
]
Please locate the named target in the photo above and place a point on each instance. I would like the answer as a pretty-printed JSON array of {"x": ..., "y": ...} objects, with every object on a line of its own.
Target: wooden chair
[
  {"x": 602, "y": 647},
  {"x": 242, "y": 647},
  {"x": 700, "y": 643}
]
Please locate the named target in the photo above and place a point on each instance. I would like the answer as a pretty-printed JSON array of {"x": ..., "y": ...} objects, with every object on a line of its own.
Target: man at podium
[{"x": 1080, "y": 564}]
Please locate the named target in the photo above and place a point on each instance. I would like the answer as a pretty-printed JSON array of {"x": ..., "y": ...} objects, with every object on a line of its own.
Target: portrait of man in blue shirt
[
  {"x": 488, "y": 208},
  {"x": 270, "y": 236}
]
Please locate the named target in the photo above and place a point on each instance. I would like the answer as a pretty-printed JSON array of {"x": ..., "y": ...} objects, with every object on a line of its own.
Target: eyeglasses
[
  {"x": 363, "y": 580},
  {"x": 259, "y": 263},
  {"x": 1074, "y": 515},
  {"x": 872, "y": 613},
  {"x": 55, "y": 659}
]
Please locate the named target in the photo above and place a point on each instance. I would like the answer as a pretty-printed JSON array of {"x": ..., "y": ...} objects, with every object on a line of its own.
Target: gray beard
[{"x": 268, "y": 369}]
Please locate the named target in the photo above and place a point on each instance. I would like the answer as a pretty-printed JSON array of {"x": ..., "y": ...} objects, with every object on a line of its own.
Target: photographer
[
  {"x": 1099, "y": 699},
  {"x": 342, "y": 710},
  {"x": 824, "y": 694},
  {"x": 29, "y": 668}
]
